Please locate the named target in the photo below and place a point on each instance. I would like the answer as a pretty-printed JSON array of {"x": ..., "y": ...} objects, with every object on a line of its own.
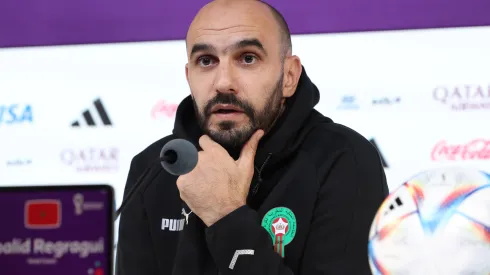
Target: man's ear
[{"x": 292, "y": 72}]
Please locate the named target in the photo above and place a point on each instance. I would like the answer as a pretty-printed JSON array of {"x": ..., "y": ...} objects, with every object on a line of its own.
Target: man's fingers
[
  {"x": 247, "y": 154},
  {"x": 207, "y": 144}
]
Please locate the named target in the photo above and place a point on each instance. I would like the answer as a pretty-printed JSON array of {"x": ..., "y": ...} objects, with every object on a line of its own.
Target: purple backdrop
[{"x": 60, "y": 22}]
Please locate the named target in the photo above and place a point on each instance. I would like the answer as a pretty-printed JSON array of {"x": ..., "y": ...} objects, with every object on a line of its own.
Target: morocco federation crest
[{"x": 280, "y": 222}]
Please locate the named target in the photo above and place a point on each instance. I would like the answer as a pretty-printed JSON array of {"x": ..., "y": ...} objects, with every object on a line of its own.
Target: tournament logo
[{"x": 280, "y": 222}]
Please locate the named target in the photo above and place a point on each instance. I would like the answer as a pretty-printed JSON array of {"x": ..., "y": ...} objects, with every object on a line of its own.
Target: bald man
[{"x": 278, "y": 187}]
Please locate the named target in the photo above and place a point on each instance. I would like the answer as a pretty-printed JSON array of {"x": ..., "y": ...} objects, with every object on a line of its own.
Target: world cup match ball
[{"x": 436, "y": 223}]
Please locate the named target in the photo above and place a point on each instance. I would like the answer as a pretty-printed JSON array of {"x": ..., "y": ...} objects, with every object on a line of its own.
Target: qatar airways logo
[
  {"x": 91, "y": 159},
  {"x": 52, "y": 249},
  {"x": 463, "y": 97},
  {"x": 477, "y": 149},
  {"x": 164, "y": 109}
]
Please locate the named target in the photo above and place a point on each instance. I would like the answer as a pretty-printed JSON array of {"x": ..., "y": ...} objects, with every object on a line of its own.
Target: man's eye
[
  {"x": 249, "y": 59},
  {"x": 205, "y": 61}
]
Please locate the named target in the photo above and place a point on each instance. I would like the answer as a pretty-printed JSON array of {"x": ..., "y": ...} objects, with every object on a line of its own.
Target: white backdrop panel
[{"x": 382, "y": 84}]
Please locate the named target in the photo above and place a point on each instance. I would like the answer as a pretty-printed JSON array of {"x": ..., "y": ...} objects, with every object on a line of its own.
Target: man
[{"x": 278, "y": 187}]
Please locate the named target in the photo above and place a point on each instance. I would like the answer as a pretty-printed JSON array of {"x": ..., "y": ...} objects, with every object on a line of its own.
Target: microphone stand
[{"x": 168, "y": 157}]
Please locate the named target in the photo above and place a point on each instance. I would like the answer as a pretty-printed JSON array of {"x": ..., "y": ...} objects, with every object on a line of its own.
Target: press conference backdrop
[{"x": 85, "y": 86}]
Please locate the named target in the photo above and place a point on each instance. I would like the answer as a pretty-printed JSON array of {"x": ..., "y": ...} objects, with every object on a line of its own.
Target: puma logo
[
  {"x": 173, "y": 224},
  {"x": 176, "y": 224},
  {"x": 186, "y": 215}
]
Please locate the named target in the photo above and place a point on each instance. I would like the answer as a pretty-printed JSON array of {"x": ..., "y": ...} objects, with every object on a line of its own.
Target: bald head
[
  {"x": 239, "y": 55},
  {"x": 283, "y": 29},
  {"x": 216, "y": 7}
]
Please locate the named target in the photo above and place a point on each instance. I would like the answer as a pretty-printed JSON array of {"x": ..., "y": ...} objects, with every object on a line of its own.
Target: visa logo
[{"x": 15, "y": 114}]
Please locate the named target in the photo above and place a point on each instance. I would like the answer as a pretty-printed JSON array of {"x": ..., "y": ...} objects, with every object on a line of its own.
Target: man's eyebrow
[
  {"x": 201, "y": 48},
  {"x": 253, "y": 42}
]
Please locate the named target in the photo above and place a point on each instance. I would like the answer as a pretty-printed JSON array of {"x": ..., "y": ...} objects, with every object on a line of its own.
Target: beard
[{"x": 228, "y": 134}]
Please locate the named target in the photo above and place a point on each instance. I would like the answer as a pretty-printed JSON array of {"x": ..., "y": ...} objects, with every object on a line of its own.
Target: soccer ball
[{"x": 436, "y": 223}]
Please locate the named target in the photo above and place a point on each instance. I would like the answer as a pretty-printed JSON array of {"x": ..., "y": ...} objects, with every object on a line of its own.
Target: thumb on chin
[{"x": 247, "y": 154}]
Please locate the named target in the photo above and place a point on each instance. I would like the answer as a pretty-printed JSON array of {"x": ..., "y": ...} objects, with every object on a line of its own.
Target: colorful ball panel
[{"x": 436, "y": 223}]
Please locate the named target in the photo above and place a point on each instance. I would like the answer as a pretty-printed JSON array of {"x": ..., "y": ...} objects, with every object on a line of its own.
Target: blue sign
[
  {"x": 348, "y": 102},
  {"x": 15, "y": 114}
]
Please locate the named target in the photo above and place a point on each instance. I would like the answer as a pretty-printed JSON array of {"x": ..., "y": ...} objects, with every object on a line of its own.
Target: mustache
[{"x": 230, "y": 99}]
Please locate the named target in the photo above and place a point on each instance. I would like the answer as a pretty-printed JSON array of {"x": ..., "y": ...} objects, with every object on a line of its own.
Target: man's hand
[{"x": 218, "y": 185}]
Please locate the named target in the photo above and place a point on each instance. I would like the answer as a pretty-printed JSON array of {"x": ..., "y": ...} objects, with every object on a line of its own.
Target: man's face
[{"x": 235, "y": 72}]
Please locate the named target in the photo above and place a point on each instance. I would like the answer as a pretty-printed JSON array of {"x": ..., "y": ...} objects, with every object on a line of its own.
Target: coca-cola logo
[
  {"x": 478, "y": 149},
  {"x": 463, "y": 97},
  {"x": 92, "y": 159},
  {"x": 164, "y": 108}
]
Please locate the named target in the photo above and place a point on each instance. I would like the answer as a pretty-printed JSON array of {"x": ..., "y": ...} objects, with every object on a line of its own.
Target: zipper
[{"x": 255, "y": 189}]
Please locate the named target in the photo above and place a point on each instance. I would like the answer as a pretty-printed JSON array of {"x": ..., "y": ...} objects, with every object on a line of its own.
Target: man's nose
[{"x": 225, "y": 78}]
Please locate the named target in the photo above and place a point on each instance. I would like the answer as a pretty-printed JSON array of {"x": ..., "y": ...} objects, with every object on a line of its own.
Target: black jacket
[{"x": 330, "y": 178}]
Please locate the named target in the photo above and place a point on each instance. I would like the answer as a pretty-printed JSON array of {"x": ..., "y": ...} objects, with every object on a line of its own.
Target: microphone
[{"x": 177, "y": 157}]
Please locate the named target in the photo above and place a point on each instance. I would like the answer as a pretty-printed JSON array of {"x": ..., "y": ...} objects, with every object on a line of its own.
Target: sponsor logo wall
[{"x": 415, "y": 110}]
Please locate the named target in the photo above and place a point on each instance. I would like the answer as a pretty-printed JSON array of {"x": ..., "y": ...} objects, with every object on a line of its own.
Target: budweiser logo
[{"x": 478, "y": 149}]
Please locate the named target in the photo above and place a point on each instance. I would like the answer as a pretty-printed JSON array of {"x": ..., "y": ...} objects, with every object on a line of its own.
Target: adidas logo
[
  {"x": 398, "y": 202},
  {"x": 383, "y": 160},
  {"x": 93, "y": 117}
]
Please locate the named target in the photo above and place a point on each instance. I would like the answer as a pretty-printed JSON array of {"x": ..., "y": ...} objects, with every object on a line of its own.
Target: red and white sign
[
  {"x": 477, "y": 149},
  {"x": 164, "y": 109}
]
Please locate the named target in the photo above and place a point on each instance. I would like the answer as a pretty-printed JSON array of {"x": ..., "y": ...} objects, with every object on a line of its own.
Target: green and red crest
[{"x": 280, "y": 222}]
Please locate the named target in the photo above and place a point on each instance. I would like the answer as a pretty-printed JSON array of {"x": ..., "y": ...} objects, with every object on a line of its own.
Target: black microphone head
[{"x": 186, "y": 156}]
